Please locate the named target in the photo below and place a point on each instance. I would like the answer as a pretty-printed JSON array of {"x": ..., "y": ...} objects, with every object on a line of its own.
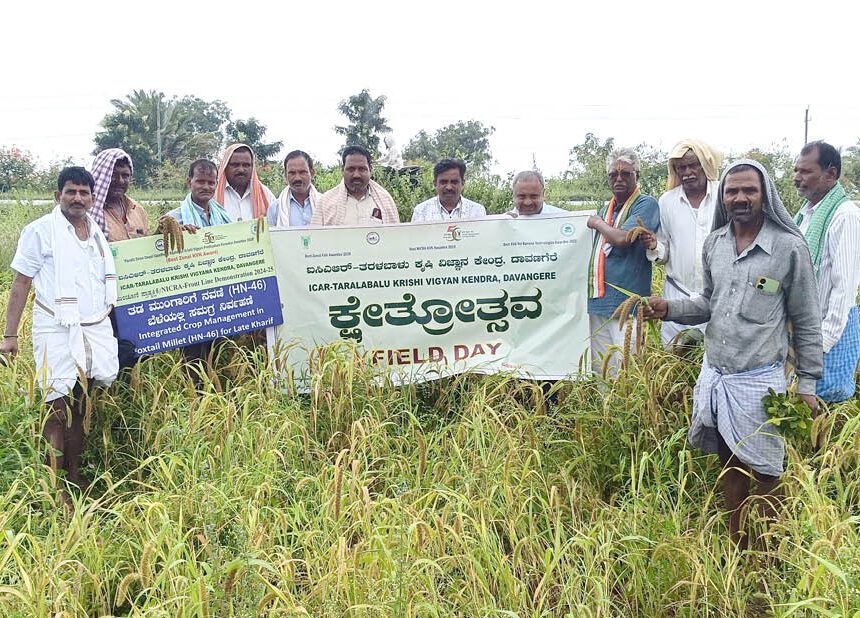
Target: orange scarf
[
  {"x": 597, "y": 282},
  {"x": 258, "y": 195}
]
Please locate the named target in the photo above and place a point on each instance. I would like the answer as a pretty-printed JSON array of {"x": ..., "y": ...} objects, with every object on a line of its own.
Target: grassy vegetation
[{"x": 463, "y": 497}]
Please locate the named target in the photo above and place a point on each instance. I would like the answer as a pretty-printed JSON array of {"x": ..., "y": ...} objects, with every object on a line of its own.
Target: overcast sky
[{"x": 738, "y": 74}]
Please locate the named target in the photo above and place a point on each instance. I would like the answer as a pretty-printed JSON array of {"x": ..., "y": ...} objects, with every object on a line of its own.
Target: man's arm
[
  {"x": 801, "y": 302},
  {"x": 844, "y": 238},
  {"x": 17, "y": 301},
  {"x": 692, "y": 311},
  {"x": 647, "y": 210}
]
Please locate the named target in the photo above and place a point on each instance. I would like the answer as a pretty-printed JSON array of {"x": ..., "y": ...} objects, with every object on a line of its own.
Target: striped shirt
[{"x": 840, "y": 269}]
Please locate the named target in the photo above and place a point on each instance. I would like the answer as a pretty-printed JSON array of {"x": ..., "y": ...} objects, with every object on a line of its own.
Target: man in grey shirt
[{"x": 758, "y": 278}]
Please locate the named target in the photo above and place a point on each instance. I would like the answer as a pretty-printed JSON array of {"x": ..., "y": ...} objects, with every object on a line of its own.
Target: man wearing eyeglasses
[{"x": 618, "y": 264}]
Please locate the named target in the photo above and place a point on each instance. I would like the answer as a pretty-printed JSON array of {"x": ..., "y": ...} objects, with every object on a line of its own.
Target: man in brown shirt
[{"x": 119, "y": 216}]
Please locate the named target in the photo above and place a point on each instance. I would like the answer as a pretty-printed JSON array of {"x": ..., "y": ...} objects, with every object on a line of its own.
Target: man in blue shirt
[{"x": 617, "y": 261}]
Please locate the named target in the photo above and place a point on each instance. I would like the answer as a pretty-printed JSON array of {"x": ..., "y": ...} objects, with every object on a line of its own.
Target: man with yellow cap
[{"x": 686, "y": 214}]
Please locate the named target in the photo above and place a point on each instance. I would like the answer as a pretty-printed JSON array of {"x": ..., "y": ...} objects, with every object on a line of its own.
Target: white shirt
[
  {"x": 360, "y": 212},
  {"x": 840, "y": 268},
  {"x": 241, "y": 207},
  {"x": 35, "y": 258},
  {"x": 682, "y": 234},
  {"x": 432, "y": 210},
  {"x": 547, "y": 210}
]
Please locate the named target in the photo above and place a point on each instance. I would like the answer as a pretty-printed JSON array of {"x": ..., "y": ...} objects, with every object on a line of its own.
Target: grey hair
[
  {"x": 528, "y": 175},
  {"x": 627, "y": 155}
]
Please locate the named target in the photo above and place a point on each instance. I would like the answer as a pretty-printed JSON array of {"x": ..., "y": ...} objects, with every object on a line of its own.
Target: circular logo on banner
[
  {"x": 159, "y": 245},
  {"x": 567, "y": 229},
  {"x": 372, "y": 238}
]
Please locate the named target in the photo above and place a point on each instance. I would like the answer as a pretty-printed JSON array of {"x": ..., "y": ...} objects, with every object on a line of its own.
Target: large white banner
[{"x": 432, "y": 299}]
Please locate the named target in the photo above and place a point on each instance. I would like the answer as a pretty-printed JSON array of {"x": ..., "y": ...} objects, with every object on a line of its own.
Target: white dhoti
[
  {"x": 608, "y": 339},
  {"x": 670, "y": 330},
  {"x": 64, "y": 354}
]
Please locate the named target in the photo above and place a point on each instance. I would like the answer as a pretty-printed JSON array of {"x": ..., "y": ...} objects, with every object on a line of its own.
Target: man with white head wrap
[
  {"x": 757, "y": 279},
  {"x": 686, "y": 214}
]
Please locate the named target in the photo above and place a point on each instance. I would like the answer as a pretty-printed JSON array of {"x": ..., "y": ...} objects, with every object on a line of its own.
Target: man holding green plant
[
  {"x": 831, "y": 224},
  {"x": 757, "y": 279}
]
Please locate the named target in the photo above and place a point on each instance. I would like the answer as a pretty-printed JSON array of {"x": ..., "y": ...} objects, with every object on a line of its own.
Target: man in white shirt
[
  {"x": 528, "y": 190},
  {"x": 65, "y": 256},
  {"x": 686, "y": 214},
  {"x": 239, "y": 190},
  {"x": 449, "y": 178},
  {"x": 831, "y": 224},
  {"x": 295, "y": 205}
]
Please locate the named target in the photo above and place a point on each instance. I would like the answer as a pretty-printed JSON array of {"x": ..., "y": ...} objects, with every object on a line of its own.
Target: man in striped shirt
[{"x": 831, "y": 224}]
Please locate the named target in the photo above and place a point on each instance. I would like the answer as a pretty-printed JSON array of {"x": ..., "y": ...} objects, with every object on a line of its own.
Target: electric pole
[{"x": 806, "y": 126}]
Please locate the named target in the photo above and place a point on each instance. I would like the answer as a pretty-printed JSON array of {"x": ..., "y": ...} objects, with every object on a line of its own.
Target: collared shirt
[
  {"x": 135, "y": 225},
  {"x": 546, "y": 210},
  {"x": 748, "y": 318},
  {"x": 360, "y": 212},
  {"x": 35, "y": 258},
  {"x": 432, "y": 210},
  {"x": 682, "y": 234},
  {"x": 241, "y": 207},
  {"x": 300, "y": 214},
  {"x": 839, "y": 277},
  {"x": 626, "y": 267}
]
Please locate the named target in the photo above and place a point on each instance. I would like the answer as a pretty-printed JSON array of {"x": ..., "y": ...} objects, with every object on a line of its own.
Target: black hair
[
  {"x": 204, "y": 163},
  {"x": 295, "y": 154},
  {"x": 449, "y": 164},
  {"x": 828, "y": 156},
  {"x": 355, "y": 150},
  {"x": 123, "y": 161},
  {"x": 76, "y": 175}
]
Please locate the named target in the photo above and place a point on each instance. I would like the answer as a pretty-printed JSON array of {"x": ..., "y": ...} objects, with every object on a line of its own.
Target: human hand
[
  {"x": 191, "y": 229},
  {"x": 655, "y": 308},
  {"x": 649, "y": 240},
  {"x": 812, "y": 402},
  {"x": 593, "y": 222},
  {"x": 9, "y": 347}
]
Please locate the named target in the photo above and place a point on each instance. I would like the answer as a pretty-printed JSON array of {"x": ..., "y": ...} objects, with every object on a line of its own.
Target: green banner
[
  {"x": 221, "y": 284},
  {"x": 433, "y": 299}
]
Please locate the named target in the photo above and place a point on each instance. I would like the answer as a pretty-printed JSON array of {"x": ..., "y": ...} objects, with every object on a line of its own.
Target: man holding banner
[
  {"x": 358, "y": 200},
  {"x": 65, "y": 256},
  {"x": 618, "y": 263},
  {"x": 239, "y": 190}
]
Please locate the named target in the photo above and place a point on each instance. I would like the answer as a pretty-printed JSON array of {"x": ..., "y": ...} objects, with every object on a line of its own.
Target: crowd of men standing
[{"x": 754, "y": 280}]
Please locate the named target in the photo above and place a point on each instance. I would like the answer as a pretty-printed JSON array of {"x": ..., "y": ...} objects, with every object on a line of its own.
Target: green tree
[
  {"x": 155, "y": 129},
  {"x": 17, "y": 168},
  {"x": 851, "y": 169},
  {"x": 588, "y": 167},
  {"x": 469, "y": 141},
  {"x": 252, "y": 133},
  {"x": 779, "y": 162},
  {"x": 366, "y": 123}
]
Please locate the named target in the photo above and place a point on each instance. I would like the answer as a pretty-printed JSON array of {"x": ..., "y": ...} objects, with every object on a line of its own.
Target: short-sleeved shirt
[
  {"x": 35, "y": 259},
  {"x": 627, "y": 267},
  {"x": 432, "y": 210},
  {"x": 135, "y": 225}
]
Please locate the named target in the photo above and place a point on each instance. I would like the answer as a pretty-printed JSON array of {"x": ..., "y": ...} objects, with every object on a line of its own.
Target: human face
[
  {"x": 743, "y": 197},
  {"x": 298, "y": 175},
  {"x": 622, "y": 179},
  {"x": 689, "y": 170},
  {"x": 239, "y": 168},
  {"x": 202, "y": 185},
  {"x": 810, "y": 180},
  {"x": 449, "y": 187},
  {"x": 119, "y": 181},
  {"x": 356, "y": 174},
  {"x": 528, "y": 196},
  {"x": 74, "y": 200}
]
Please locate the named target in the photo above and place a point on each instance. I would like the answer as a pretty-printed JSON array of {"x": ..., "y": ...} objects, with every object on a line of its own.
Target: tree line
[{"x": 164, "y": 133}]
